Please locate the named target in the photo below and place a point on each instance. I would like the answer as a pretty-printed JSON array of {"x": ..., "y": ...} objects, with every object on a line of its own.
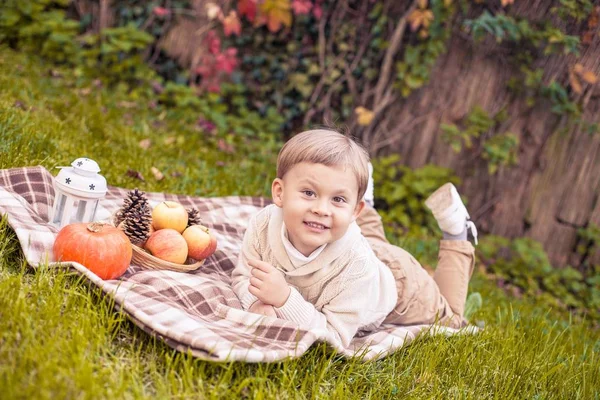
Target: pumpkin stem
[{"x": 95, "y": 227}]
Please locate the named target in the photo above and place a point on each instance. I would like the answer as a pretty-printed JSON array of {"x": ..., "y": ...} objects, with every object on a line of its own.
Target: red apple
[
  {"x": 168, "y": 244},
  {"x": 169, "y": 215},
  {"x": 201, "y": 242}
]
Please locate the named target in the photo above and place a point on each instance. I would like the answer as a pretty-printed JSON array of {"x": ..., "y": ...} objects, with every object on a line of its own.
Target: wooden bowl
[{"x": 146, "y": 260}]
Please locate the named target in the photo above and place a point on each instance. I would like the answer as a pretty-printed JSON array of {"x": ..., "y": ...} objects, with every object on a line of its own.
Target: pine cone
[
  {"x": 135, "y": 200},
  {"x": 194, "y": 217},
  {"x": 137, "y": 225}
]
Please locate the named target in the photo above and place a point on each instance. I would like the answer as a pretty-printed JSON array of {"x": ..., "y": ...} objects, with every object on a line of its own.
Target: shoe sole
[{"x": 441, "y": 199}]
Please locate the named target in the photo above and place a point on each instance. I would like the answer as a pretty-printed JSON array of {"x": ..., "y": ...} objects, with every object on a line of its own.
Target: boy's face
[{"x": 318, "y": 203}]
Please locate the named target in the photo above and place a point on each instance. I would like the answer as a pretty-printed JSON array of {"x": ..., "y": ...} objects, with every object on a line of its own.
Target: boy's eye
[
  {"x": 339, "y": 199},
  {"x": 309, "y": 193}
]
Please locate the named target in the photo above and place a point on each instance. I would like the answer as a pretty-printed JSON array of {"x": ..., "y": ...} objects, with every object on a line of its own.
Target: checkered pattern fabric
[{"x": 194, "y": 312}]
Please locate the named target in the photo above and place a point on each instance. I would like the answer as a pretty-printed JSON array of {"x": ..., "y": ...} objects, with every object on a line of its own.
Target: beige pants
[{"x": 421, "y": 298}]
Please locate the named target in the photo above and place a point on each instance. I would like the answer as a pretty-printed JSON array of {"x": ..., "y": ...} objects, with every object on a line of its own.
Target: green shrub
[
  {"x": 39, "y": 27},
  {"x": 115, "y": 54},
  {"x": 523, "y": 263},
  {"x": 401, "y": 192}
]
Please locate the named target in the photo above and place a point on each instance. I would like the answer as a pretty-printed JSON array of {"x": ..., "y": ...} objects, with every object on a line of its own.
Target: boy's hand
[
  {"x": 268, "y": 283},
  {"x": 258, "y": 307}
]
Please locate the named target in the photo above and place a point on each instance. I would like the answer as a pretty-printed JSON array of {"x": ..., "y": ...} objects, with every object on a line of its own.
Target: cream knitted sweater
[{"x": 344, "y": 290}]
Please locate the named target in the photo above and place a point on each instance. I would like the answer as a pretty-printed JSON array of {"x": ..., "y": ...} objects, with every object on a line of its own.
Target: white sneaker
[{"x": 449, "y": 211}]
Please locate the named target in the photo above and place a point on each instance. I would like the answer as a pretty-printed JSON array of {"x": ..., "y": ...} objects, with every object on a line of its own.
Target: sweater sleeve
[
  {"x": 241, "y": 273},
  {"x": 347, "y": 311}
]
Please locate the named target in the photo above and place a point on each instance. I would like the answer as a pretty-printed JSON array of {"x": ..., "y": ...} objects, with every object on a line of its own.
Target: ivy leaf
[
  {"x": 364, "y": 116},
  {"x": 247, "y": 8},
  {"x": 161, "y": 12},
  {"x": 277, "y": 13},
  {"x": 575, "y": 84},
  {"x": 213, "y": 11},
  {"x": 589, "y": 77},
  {"x": 317, "y": 11},
  {"x": 226, "y": 61},
  {"x": 301, "y": 7},
  {"x": 231, "y": 24},
  {"x": 420, "y": 18}
]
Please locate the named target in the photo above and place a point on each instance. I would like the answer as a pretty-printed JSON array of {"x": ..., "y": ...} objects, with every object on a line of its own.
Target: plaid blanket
[{"x": 195, "y": 312}]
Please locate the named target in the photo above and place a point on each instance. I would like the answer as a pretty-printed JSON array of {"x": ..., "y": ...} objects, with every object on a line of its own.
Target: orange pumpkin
[{"x": 103, "y": 249}]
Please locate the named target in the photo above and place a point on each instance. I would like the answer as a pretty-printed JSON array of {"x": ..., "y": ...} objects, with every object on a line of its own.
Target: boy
[{"x": 304, "y": 258}]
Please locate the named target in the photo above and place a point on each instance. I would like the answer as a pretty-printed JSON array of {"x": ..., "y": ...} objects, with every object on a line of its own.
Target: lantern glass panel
[
  {"x": 81, "y": 207},
  {"x": 60, "y": 208}
]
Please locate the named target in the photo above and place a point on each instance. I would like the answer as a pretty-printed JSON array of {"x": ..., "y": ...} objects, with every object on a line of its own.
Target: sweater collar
[{"x": 331, "y": 252}]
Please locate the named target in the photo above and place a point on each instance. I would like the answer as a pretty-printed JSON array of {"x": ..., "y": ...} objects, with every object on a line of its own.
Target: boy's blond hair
[{"x": 327, "y": 147}]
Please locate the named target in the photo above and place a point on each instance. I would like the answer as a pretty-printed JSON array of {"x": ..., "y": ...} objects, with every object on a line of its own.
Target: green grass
[{"x": 59, "y": 338}]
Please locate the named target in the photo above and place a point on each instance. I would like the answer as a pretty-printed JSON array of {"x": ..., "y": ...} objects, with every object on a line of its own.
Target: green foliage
[
  {"x": 530, "y": 83},
  {"x": 576, "y": 9},
  {"x": 546, "y": 37},
  {"x": 115, "y": 54},
  {"x": 401, "y": 192},
  {"x": 522, "y": 262},
  {"x": 40, "y": 27},
  {"x": 590, "y": 239},
  {"x": 414, "y": 70},
  {"x": 501, "y": 150},
  {"x": 227, "y": 110},
  {"x": 561, "y": 103},
  {"x": 477, "y": 123}
]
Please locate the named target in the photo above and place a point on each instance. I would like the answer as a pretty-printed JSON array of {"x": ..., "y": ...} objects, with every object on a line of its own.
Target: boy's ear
[
  {"x": 277, "y": 192},
  {"x": 359, "y": 207}
]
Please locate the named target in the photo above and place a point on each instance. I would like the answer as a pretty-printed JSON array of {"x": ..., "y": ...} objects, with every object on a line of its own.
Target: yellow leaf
[
  {"x": 506, "y": 2},
  {"x": 145, "y": 143},
  {"x": 427, "y": 18},
  {"x": 422, "y": 4},
  {"x": 159, "y": 176},
  {"x": 276, "y": 13},
  {"x": 575, "y": 84},
  {"x": 589, "y": 77},
  {"x": 578, "y": 68},
  {"x": 420, "y": 17},
  {"x": 364, "y": 116}
]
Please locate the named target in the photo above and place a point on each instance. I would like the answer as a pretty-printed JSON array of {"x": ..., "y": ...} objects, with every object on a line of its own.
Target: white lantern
[{"x": 78, "y": 189}]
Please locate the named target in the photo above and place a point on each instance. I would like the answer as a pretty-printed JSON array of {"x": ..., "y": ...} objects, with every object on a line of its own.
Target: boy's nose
[{"x": 321, "y": 208}]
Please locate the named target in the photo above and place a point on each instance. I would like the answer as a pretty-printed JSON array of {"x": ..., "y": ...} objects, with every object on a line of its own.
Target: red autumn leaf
[
  {"x": 317, "y": 11},
  {"x": 213, "y": 43},
  {"x": 226, "y": 61},
  {"x": 135, "y": 174},
  {"x": 277, "y": 13},
  {"x": 225, "y": 147},
  {"x": 231, "y": 24},
  {"x": 247, "y": 8},
  {"x": 203, "y": 70},
  {"x": 161, "y": 11},
  {"x": 213, "y": 86},
  {"x": 301, "y": 7}
]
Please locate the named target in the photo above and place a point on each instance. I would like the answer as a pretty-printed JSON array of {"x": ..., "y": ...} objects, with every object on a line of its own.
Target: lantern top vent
[{"x": 81, "y": 179}]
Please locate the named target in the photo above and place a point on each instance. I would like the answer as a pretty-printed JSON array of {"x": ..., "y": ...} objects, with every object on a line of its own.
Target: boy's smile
[{"x": 318, "y": 203}]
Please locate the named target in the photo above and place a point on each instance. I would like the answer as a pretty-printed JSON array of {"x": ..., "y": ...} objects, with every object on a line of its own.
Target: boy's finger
[
  {"x": 263, "y": 266},
  {"x": 259, "y": 274},
  {"x": 257, "y": 283}
]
